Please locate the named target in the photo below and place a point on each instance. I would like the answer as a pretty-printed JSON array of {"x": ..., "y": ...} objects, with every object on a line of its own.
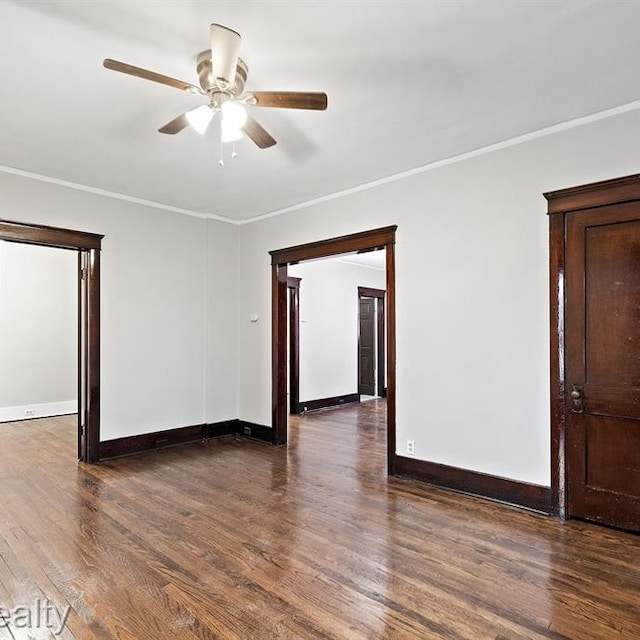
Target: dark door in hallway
[
  {"x": 603, "y": 364},
  {"x": 366, "y": 347}
]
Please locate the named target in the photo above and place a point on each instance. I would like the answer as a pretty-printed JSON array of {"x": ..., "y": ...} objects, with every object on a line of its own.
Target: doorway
[
  {"x": 87, "y": 246},
  {"x": 595, "y": 351},
  {"x": 371, "y": 340},
  {"x": 383, "y": 238}
]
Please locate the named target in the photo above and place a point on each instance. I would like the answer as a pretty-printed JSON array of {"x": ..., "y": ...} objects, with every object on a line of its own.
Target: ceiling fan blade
[
  {"x": 225, "y": 46},
  {"x": 288, "y": 99},
  {"x": 138, "y": 72},
  {"x": 258, "y": 134},
  {"x": 176, "y": 125}
]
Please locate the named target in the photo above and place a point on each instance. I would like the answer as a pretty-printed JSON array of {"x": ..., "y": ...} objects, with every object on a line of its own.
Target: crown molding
[
  {"x": 505, "y": 144},
  {"x": 113, "y": 194},
  {"x": 539, "y": 133}
]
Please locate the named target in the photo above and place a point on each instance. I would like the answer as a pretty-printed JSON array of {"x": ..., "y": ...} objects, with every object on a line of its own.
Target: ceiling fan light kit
[
  {"x": 222, "y": 75},
  {"x": 199, "y": 118}
]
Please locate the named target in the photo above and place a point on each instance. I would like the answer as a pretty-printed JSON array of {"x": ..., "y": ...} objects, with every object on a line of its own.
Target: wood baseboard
[
  {"x": 325, "y": 403},
  {"x": 221, "y": 429},
  {"x": 521, "y": 494},
  {"x": 254, "y": 431},
  {"x": 133, "y": 445}
]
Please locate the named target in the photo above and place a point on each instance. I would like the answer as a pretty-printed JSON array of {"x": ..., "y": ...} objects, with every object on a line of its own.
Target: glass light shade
[
  {"x": 233, "y": 118},
  {"x": 200, "y": 117},
  {"x": 233, "y": 115}
]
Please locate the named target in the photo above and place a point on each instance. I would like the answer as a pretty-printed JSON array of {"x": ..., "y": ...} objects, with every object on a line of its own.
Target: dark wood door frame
[
  {"x": 293, "y": 285},
  {"x": 383, "y": 238},
  {"x": 560, "y": 203},
  {"x": 88, "y": 246},
  {"x": 379, "y": 294}
]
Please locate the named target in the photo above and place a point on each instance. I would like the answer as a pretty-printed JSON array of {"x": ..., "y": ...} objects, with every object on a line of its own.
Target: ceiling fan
[{"x": 222, "y": 75}]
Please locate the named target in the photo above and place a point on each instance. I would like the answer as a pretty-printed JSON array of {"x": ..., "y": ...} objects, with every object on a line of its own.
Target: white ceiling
[
  {"x": 409, "y": 83},
  {"x": 372, "y": 259}
]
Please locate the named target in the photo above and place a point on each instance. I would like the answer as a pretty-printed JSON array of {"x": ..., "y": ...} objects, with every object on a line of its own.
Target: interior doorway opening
[
  {"x": 38, "y": 332},
  {"x": 367, "y": 241},
  {"x": 87, "y": 246},
  {"x": 330, "y": 357},
  {"x": 371, "y": 343}
]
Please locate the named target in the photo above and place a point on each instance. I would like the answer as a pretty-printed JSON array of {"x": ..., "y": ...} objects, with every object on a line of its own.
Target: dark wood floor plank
[{"x": 238, "y": 539}]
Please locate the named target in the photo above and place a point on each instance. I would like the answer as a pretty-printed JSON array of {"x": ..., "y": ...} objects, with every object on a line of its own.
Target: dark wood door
[
  {"x": 83, "y": 354},
  {"x": 603, "y": 364},
  {"x": 367, "y": 347}
]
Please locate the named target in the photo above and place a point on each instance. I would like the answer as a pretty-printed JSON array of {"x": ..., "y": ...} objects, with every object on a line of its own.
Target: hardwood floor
[{"x": 237, "y": 539}]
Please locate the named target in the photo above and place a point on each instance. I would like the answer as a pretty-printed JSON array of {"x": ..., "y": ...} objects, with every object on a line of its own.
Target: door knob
[{"x": 577, "y": 398}]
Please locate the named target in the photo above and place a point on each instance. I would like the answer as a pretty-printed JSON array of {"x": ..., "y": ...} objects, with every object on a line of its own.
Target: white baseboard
[{"x": 30, "y": 411}]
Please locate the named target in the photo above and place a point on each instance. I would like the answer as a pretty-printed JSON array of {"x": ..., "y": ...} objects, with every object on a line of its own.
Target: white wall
[
  {"x": 156, "y": 373},
  {"x": 223, "y": 330},
  {"x": 472, "y": 297},
  {"x": 329, "y": 325},
  {"x": 38, "y": 331},
  {"x": 472, "y": 293}
]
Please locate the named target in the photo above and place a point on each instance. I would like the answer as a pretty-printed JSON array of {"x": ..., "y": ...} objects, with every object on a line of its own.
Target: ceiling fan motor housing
[{"x": 208, "y": 82}]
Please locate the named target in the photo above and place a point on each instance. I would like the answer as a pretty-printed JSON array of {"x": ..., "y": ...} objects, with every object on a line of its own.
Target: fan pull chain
[
  {"x": 221, "y": 161},
  {"x": 233, "y": 150}
]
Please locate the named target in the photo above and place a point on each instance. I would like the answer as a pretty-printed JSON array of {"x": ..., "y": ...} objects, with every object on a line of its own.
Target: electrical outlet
[
  {"x": 246, "y": 431},
  {"x": 411, "y": 447},
  {"x": 28, "y": 412}
]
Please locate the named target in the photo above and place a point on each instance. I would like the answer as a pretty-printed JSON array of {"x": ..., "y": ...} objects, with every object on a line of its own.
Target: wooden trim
[
  {"x": 81, "y": 333},
  {"x": 145, "y": 442},
  {"x": 293, "y": 282},
  {"x": 92, "y": 439},
  {"x": 521, "y": 494},
  {"x": 595, "y": 194},
  {"x": 368, "y": 292},
  {"x": 131, "y": 445},
  {"x": 255, "y": 431},
  {"x": 294, "y": 343},
  {"x": 279, "y": 354},
  {"x": 383, "y": 238},
  {"x": 88, "y": 244},
  {"x": 276, "y": 338},
  {"x": 221, "y": 429},
  {"x": 324, "y": 403},
  {"x": 557, "y": 375},
  {"x": 49, "y": 236},
  {"x": 241, "y": 428},
  {"x": 365, "y": 240},
  {"x": 391, "y": 357},
  {"x": 382, "y": 390}
]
